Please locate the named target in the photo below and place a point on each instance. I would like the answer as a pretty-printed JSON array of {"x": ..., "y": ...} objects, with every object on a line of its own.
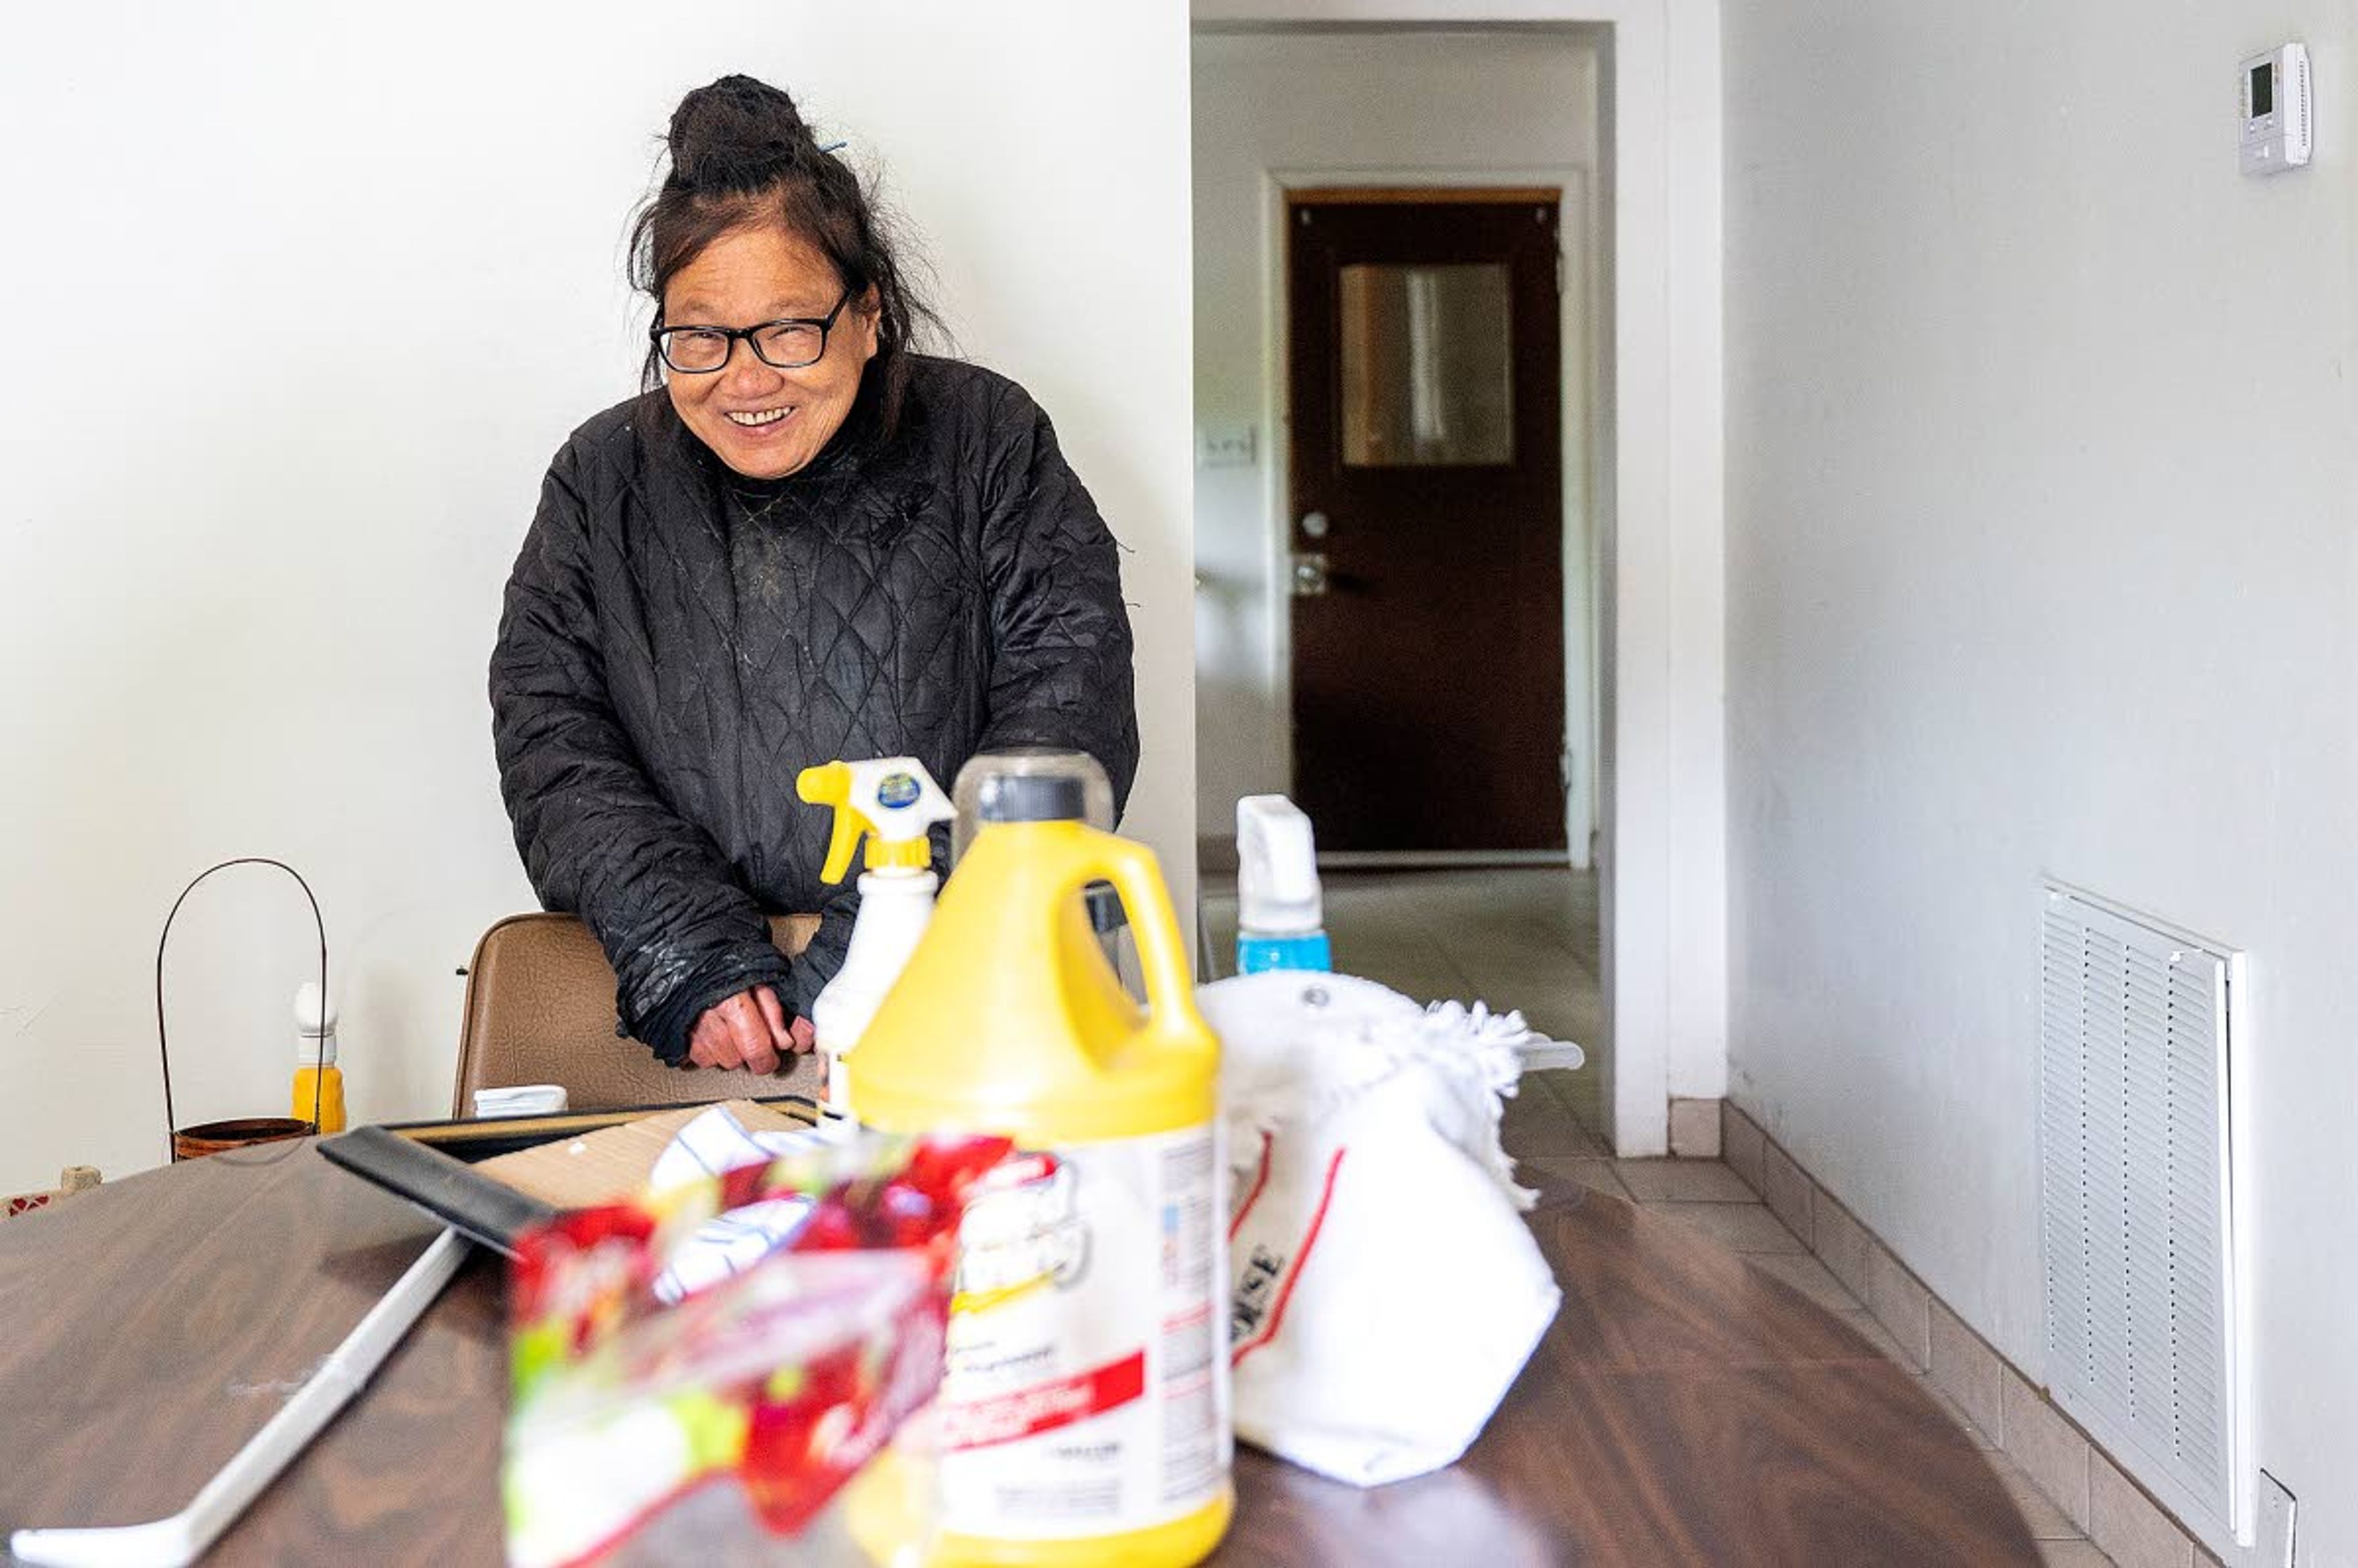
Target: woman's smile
[{"x": 760, "y": 419}]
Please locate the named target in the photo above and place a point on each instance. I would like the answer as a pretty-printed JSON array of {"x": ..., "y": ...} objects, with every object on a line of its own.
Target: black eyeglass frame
[{"x": 660, "y": 335}]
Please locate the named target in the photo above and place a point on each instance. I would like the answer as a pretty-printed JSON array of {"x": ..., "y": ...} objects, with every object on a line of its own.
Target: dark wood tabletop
[{"x": 1684, "y": 1408}]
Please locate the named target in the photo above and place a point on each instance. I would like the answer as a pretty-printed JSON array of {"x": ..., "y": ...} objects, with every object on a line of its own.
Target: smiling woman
[{"x": 803, "y": 540}]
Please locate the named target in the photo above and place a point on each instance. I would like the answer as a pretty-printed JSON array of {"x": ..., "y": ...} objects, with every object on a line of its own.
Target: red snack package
[{"x": 630, "y": 1391}]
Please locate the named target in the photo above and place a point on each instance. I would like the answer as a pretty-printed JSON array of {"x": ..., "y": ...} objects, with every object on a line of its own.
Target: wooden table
[{"x": 1684, "y": 1408}]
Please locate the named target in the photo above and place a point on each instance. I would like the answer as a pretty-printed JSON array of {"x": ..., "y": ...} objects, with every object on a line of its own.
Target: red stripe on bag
[
  {"x": 1260, "y": 1181},
  {"x": 1044, "y": 1407},
  {"x": 1301, "y": 1262}
]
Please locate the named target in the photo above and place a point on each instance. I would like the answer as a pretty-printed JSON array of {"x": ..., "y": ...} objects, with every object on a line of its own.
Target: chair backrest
[{"x": 540, "y": 1009}]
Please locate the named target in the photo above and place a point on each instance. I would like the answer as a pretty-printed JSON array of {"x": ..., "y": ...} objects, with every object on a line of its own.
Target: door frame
[
  {"x": 1578, "y": 383},
  {"x": 1662, "y": 523}
]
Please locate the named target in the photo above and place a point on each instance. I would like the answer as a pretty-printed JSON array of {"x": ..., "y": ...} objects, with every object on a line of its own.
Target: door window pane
[{"x": 1427, "y": 365}]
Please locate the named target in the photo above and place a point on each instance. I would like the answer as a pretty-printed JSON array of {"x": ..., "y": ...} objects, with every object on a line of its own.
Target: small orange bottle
[{"x": 318, "y": 1082}]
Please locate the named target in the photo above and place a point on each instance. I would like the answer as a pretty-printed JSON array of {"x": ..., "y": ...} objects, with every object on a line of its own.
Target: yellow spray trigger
[
  {"x": 829, "y": 784},
  {"x": 892, "y": 800}
]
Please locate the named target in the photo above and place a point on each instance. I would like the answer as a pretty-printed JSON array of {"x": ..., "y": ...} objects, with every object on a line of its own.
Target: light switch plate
[
  {"x": 1224, "y": 445},
  {"x": 2276, "y": 1545}
]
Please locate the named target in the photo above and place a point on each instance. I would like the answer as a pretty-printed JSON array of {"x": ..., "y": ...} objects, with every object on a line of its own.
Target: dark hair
[{"x": 741, "y": 154}]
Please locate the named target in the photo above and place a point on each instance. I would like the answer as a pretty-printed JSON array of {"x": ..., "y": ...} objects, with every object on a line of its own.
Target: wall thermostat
[{"x": 2276, "y": 110}]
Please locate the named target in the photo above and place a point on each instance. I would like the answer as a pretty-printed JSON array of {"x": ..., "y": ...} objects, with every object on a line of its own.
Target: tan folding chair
[{"x": 540, "y": 1009}]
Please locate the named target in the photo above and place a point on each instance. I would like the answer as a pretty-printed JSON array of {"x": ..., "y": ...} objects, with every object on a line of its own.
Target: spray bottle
[
  {"x": 317, "y": 1080},
  {"x": 894, "y": 802},
  {"x": 1280, "y": 910}
]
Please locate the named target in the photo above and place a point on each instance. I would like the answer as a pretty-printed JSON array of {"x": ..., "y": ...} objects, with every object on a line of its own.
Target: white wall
[
  {"x": 2042, "y": 496},
  {"x": 1340, "y": 108},
  {"x": 304, "y": 298}
]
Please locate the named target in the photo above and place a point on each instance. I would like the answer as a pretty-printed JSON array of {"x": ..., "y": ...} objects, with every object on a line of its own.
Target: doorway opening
[{"x": 1402, "y": 430}]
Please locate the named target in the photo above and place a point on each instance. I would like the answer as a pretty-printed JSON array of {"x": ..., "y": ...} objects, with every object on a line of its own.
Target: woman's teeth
[{"x": 767, "y": 417}]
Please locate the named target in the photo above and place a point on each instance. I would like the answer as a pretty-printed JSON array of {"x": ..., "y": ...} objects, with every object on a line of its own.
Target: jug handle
[{"x": 1136, "y": 875}]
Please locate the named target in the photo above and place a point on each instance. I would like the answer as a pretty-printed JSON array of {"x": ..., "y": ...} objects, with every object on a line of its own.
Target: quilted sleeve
[
  {"x": 597, "y": 838},
  {"x": 1060, "y": 673}
]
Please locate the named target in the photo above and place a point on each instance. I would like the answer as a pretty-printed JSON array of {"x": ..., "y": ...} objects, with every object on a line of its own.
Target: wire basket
[{"x": 244, "y": 1131}]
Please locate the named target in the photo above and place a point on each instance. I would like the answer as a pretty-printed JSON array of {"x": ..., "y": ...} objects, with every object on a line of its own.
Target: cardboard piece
[{"x": 613, "y": 1165}]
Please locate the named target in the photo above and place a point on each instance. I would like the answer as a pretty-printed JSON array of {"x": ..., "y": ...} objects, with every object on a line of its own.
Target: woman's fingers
[
  {"x": 712, "y": 1043},
  {"x": 751, "y": 1030},
  {"x": 773, "y": 1014},
  {"x": 748, "y": 1030},
  {"x": 795, "y": 1035}
]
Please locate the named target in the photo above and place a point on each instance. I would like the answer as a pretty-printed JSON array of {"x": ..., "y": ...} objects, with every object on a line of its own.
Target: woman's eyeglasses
[{"x": 788, "y": 344}]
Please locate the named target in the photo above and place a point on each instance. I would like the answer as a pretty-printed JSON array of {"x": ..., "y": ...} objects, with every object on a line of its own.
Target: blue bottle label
[{"x": 1257, "y": 953}]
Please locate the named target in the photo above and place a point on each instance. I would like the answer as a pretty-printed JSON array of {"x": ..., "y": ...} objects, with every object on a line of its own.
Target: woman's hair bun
[{"x": 736, "y": 135}]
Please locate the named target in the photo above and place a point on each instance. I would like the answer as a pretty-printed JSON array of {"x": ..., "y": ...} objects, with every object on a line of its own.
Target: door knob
[
  {"x": 1315, "y": 525},
  {"x": 1309, "y": 575}
]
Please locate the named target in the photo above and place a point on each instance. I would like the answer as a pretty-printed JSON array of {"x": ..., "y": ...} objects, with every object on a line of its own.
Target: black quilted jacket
[{"x": 679, "y": 642}]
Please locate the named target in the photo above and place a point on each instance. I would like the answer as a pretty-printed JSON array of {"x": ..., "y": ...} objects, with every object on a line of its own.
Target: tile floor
[
  {"x": 1529, "y": 939},
  {"x": 1519, "y": 937}
]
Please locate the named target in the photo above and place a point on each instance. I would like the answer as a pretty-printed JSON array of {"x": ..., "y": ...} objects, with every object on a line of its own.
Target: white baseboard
[{"x": 1435, "y": 860}]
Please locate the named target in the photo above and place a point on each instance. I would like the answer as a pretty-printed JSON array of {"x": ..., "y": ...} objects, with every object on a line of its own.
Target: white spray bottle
[
  {"x": 1280, "y": 907},
  {"x": 893, "y": 801}
]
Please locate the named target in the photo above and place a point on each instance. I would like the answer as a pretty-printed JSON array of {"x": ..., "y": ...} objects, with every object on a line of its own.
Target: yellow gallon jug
[{"x": 1084, "y": 1412}]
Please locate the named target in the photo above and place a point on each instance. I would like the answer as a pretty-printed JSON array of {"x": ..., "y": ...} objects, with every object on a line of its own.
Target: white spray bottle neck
[
  {"x": 889, "y": 881},
  {"x": 315, "y": 1027}
]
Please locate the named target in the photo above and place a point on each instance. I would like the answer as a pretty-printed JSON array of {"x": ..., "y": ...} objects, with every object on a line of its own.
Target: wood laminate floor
[{"x": 1528, "y": 939}]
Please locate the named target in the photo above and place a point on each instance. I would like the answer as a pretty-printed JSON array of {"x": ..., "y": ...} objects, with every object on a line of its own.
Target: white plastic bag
[{"x": 1387, "y": 1292}]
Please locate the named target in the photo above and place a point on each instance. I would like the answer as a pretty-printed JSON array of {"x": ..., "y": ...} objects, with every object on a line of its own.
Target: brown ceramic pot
[{"x": 214, "y": 1137}]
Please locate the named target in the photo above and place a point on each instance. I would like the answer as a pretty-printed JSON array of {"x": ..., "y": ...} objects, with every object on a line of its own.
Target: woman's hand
[{"x": 748, "y": 1030}]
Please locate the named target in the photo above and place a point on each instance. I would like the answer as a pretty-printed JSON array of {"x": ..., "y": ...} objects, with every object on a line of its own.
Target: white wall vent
[{"x": 2148, "y": 1327}]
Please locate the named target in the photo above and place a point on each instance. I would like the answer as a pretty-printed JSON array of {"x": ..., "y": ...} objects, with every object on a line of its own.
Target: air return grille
[{"x": 2145, "y": 1324}]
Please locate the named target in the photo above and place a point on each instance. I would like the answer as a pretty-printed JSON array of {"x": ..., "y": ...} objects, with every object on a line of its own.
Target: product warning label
[
  {"x": 1048, "y": 1406},
  {"x": 1087, "y": 1387}
]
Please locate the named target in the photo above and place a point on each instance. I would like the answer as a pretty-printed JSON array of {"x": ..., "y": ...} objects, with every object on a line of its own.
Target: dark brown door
[{"x": 1427, "y": 521}]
